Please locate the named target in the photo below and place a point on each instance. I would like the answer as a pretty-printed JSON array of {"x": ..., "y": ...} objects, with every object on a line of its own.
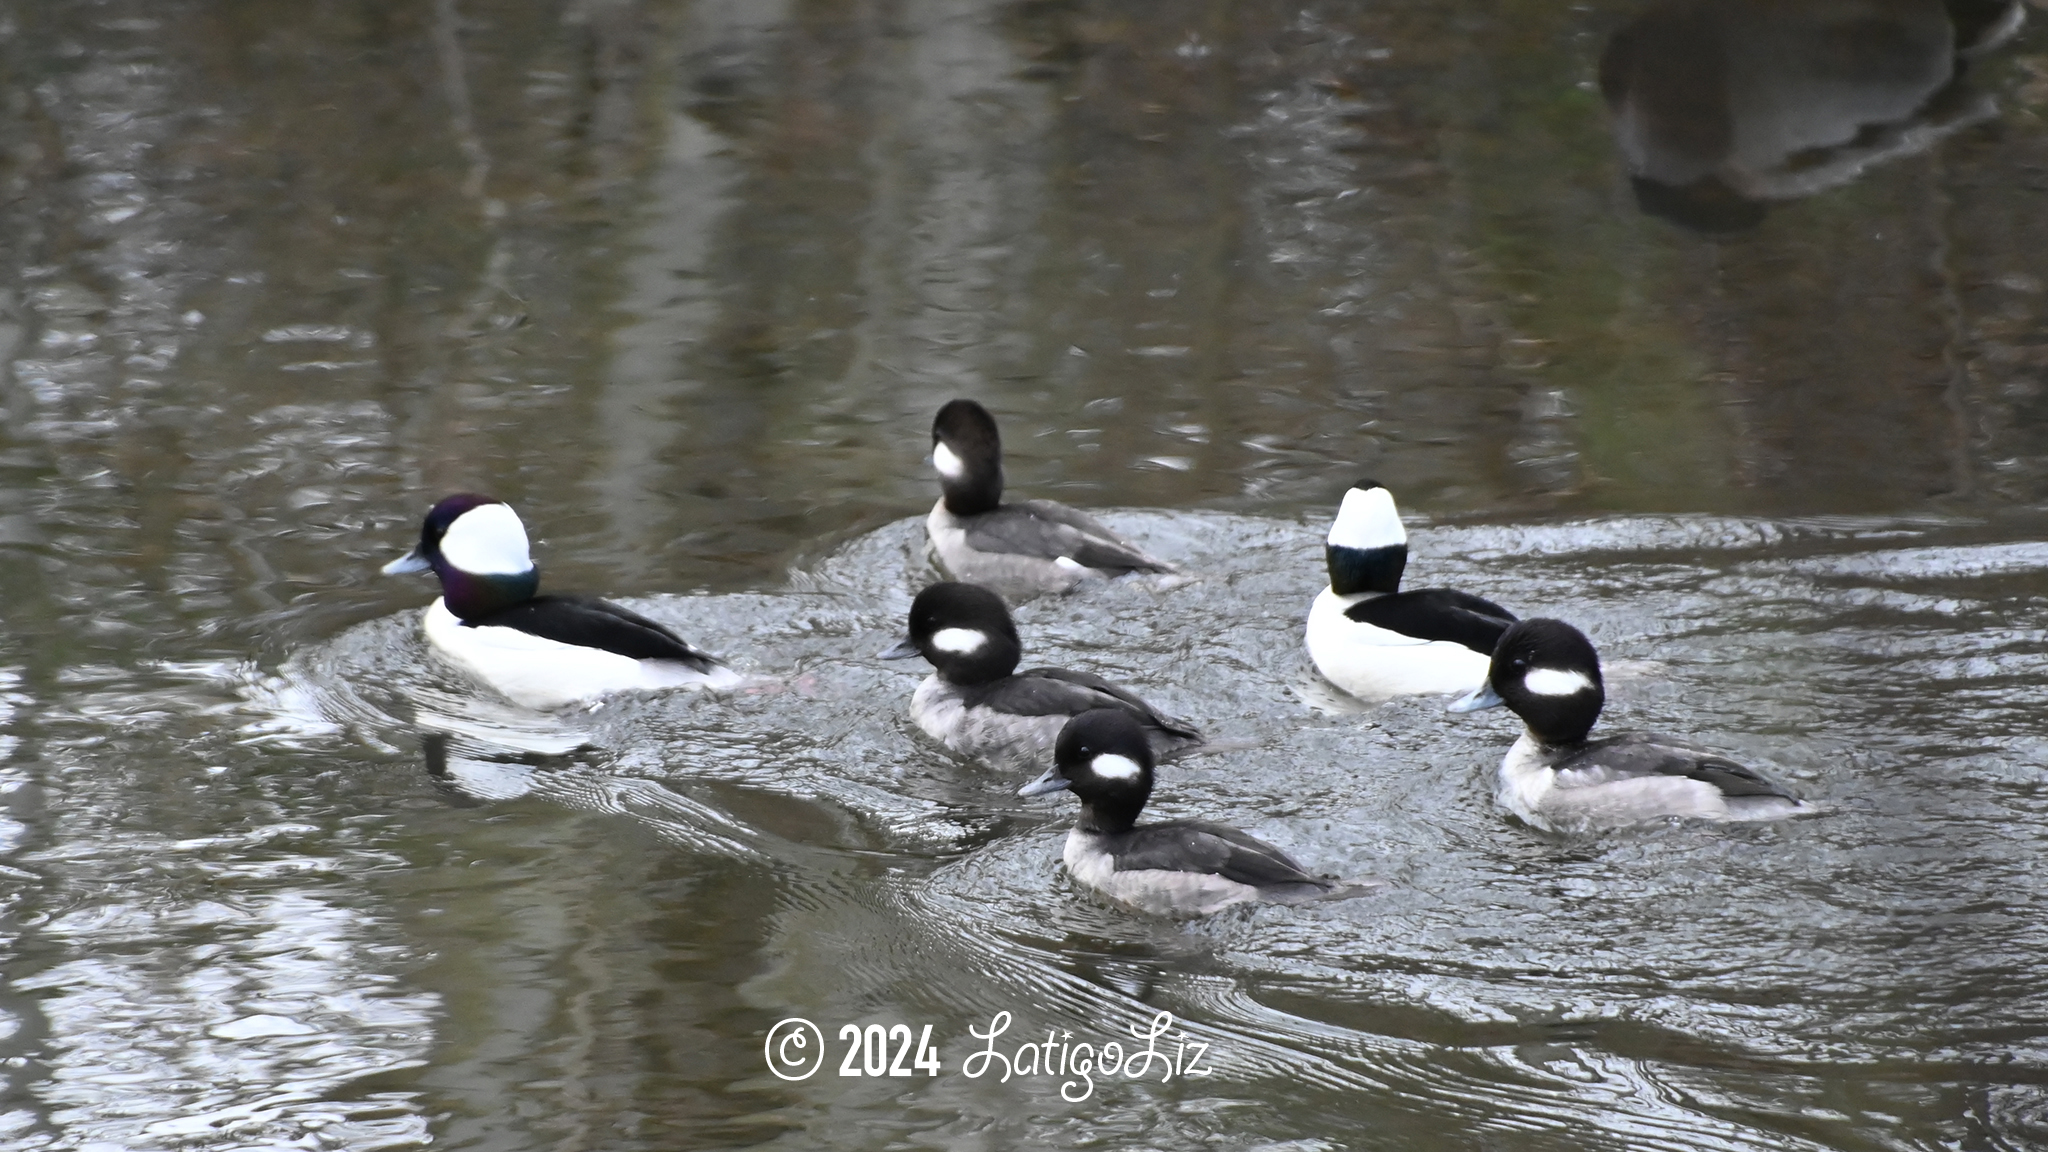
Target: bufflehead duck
[
  {"x": 1556, "y": 779},
  {"x": 1020, "y": 549},
  {"x": 979, "y": 705},
  {"x": 1373, "y": 640},
  {"x": 1174, "y": 867},
  {"x": 540, "y": 651}
]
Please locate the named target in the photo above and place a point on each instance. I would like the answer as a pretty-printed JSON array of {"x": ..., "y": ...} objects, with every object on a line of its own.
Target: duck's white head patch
[
  {"x": 1556, "y": 682},
  {"x": 959, "y": 641},
  {"x": 488, "y": 540},
  {"x": 948, "y": 464},
  {"x": 1367, "y": 519},
  {"x": 1111, "y": 766}
]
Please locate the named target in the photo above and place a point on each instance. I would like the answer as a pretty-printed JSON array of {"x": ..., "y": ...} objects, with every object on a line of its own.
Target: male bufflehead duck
[
  {"x": 1020, "y": 549},
  {"x": 1373, "y": 640},
  {"x": 979, "y": 705},
  {"x": 1174, "y": 867},
  {"x": 540, "y": 651},
  {"x": 1556, "y": 779}
]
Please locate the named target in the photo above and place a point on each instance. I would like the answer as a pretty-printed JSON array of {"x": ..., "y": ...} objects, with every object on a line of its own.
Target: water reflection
[{"x": 1722, "y": 107}]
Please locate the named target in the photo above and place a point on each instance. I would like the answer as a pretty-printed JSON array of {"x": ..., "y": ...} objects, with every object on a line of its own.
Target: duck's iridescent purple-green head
[{"x": 477, "y": 547}]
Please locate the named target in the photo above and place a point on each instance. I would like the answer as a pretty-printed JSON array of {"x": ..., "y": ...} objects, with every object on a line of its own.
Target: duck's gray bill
[
  {"x": 901, "y": 650},
  {"x": 1052, "y": 781},
  {"x": 410, "y": 562},
  {"x": 1481, "y": 697}
]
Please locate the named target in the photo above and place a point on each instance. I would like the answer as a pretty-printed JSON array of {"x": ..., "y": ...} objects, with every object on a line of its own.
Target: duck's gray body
[
  {"x": 1187, "y": 868},
  {"x": 1633, "y": 779},
  {"x": 1015, "y": 721},
  {"x": 1031, "y": 547}
]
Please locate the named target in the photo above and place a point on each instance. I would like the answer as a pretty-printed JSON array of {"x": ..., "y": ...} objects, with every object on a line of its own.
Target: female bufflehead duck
[
  {"x": 1373, "y": 640},
  {"x": 978, "y": 704},
  {"x": 1021, "y": 549},
  {"x": 1172, "y": 868},
  {"x": 540, "y": 651},
  {"x": 1556, "y": 779}
]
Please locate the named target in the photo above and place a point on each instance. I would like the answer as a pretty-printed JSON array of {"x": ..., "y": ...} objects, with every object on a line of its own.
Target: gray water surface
[
  {"x": 1864, "y": 978},
  {"x": 684, "y": 281}
]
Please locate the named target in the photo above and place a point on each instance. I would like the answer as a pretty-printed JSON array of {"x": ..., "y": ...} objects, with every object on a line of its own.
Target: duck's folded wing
[
  {"x": 1737, "y": 780},
  {"x": 591, "y": 623},
  {"x": 1054, "y": 691},
  {"x": 1638, "y": 754},
  {"x": 1050, "y": 530},
  {"x": 1437, "y": 614},
  {"x": 1199, "y": 846}
]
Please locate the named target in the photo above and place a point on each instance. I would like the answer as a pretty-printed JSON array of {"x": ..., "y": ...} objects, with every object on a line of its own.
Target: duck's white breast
[
  {"x": 1525, "y": 779},
  {"x": 1374, "y": 663}
]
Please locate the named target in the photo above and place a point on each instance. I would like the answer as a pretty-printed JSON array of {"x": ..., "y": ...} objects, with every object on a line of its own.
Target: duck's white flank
[
  {"x": 1375, "y": 663},
  {"x": 536, "y": 672}
]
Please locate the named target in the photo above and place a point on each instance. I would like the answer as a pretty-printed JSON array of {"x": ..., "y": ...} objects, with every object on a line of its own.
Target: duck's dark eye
[{"x": 1520, "y": 663}]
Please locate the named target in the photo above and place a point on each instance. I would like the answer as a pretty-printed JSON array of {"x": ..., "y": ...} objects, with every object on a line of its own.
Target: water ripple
[{"x": 1501, "y": 981}]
